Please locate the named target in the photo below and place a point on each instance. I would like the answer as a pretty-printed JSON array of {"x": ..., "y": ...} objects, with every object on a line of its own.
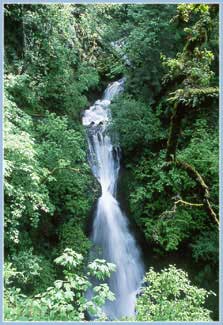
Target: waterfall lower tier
[{"x": 111, "y": 237}]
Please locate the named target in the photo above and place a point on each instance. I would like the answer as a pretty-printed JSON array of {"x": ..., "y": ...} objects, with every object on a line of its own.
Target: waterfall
[{"x": 110, "y": 234}]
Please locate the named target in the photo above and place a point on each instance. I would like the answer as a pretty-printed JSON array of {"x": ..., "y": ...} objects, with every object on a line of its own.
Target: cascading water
[{"x": 110, "y": 227}]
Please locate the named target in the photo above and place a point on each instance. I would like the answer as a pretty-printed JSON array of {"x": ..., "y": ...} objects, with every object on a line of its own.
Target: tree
[
  {"x": 169, "y": 295},
  {"x": 66, "y": 298},
  {"x": 193, "y": 67}
]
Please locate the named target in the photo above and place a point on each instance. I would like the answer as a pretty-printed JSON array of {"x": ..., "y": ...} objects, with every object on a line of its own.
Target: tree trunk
[{"x": 175, "y": 128}]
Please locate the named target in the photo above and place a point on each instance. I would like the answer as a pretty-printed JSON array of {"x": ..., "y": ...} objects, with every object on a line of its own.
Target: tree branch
[
  {"x": 189, "y": 203},
  {"x": 194, "y": 174},
  {"x": 180, "y": 201}
]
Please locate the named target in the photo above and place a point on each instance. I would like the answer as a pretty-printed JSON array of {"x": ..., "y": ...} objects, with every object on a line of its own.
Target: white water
[{"x": 110, "y": 227}]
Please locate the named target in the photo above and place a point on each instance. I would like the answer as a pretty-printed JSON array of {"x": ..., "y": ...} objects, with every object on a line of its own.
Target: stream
[{"x": 111, "y": 237}]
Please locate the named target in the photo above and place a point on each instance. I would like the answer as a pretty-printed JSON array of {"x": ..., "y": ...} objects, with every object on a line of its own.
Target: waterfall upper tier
[{"x": 98, "y": 113}]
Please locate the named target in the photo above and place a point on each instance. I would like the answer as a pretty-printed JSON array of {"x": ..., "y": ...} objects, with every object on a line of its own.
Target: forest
[{"x": 163, "y": 128}]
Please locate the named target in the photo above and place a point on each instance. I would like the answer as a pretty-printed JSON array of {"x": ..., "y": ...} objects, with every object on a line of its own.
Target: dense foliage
[
  {"x": 173, "y": 193},
  {"x": 58, "y": 59}
]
